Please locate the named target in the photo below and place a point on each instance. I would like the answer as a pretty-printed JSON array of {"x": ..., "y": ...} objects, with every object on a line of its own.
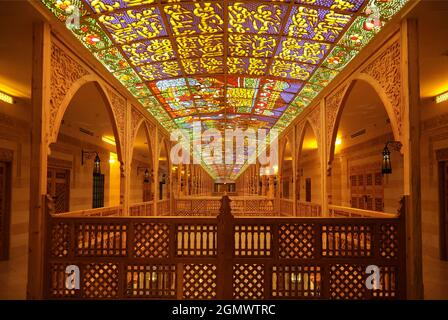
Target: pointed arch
[
  {"x": 341, "y": 106},
  {"x": 102, "y": 90},
  {"x": 142, "y": 124},
  {"x": 301, "y": 137}
]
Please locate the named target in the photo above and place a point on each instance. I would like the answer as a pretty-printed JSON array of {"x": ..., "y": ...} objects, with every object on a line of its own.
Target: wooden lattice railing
[
  {"x": 200, "y": 206},
  {"x": 225, "y": 257},
  {"x": 97, "y": 212},
  {"x": 253, "y": 206},
  {"x": 286, "y": 207},
  {"x": 142, "y": 209},
  {"x": 308, "y": 209},
  {"x": 163, "y": 207},
  {"x": 339, "y": 211}
]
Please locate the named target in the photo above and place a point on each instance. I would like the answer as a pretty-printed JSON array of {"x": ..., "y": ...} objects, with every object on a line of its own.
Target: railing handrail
[
  {"x": 363, "y": 213},
  {"x": 310, "y": 203},
  {"x": 141, "y": 203},
  {"x": 87, "y": 212}
]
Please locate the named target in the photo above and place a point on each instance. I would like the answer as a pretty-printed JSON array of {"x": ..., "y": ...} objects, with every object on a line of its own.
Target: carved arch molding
[
  {"x": 65, "y": 73},
  {"x": 385, "y": 70}
]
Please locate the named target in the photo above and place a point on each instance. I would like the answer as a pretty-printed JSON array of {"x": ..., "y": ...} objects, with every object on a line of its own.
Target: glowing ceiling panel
[{"x": 230, "y": 64}]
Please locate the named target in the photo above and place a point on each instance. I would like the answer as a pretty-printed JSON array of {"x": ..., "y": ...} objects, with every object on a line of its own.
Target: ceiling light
[
  {"x": 6, "y": 98},
  {"x": 442, "y": 97},
  {"x": 108, "y": 139}
]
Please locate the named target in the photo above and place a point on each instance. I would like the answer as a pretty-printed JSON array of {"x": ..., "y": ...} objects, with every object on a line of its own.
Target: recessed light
[
  {"x": 442, "y": 97},
  {"x": 6, "y": 98}
]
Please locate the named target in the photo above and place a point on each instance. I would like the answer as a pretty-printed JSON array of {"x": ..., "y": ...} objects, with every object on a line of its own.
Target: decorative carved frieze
[
  {"x": 136, "y": 118},
  {"x": 386, "y": 70},
  {"x": 300, "y": 128},
  {"x": 314, "y": 119},
  {"x": 118, "y": 104},
  {"x": 332, "y": 106},
  {"x": 65, "y": 71}
]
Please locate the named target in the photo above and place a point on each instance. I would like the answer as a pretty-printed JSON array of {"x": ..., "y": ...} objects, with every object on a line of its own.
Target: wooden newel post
[{"x": 225, "y": 250}]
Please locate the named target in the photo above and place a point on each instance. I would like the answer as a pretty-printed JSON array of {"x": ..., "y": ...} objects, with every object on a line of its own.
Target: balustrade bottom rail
[{"x": 224, "y": 257}]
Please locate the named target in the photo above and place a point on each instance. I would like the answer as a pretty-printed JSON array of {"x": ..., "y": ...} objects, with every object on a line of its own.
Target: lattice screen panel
[
  {"x": 346, "y": 240},
  {"x": 199, "y": 281},
  {"x": 196, "y": 240},
  {"x": 253, "y": 240},
  {"x": 248, "y": 281},
  {"x": 57, "y": 282},
  {"x": 296, "y": 281},
  {"x": 296, "y": 241},
  {"x": 151, "y": 281},
  {"x": 389, "y": 241},
  {"x": 388, "y": 283},
  {"x": 95, "y": 239},
  {"x": 347, "y": 281},
  {"x": 100, "y": 280},
  {"x": 151, "y": 240},
  {"x": 60, "y": 240}
]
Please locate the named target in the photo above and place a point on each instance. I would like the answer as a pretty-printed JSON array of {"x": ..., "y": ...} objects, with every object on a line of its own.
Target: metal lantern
[
  {"x": 386, "y": 167},
  {"x": 97, "y": 165},
  {"x": 146, "y": 175}
]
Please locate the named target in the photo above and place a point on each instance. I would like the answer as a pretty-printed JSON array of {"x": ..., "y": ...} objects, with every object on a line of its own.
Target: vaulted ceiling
[{"x": 228, "y": 64}]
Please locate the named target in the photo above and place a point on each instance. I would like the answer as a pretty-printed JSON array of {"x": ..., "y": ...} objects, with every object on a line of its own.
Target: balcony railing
[
  {"x": 339, "y": 211},
  {"x": 308, "y": 209},
  {"x": 142, "y": 209},
  {"x": 224, "y": 257},
  {"x": 97, "y": 212}
]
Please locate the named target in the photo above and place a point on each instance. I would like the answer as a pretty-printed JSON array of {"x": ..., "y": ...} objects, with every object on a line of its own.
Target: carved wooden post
[
  {"x": 39, "y": 151},
  {"x": 411, "y": 146},
  {"x": 323, "y": 155},
  {"x": 125, "y": 167},
  {"x": 156, "y": 169},
  {"x": 225, "y": 249}
]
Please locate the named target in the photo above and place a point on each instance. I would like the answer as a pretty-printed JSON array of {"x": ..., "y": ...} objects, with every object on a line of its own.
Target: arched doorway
[
  {"x": 84, "y": 163},
  {"x": 142, "y": 169},
  {"x": 308, "y": 168},
  {"x": 361, "y": 133}
]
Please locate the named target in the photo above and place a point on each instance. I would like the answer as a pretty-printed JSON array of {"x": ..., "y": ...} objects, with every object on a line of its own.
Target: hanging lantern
[
  {"x": 146, "y": 175},
  {"x": 97, "y": 165},
  {"x": 386, "y": 167}
]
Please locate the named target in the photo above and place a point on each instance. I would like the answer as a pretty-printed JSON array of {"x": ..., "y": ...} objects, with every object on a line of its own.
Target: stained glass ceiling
[{"x": 229, "y": 64}]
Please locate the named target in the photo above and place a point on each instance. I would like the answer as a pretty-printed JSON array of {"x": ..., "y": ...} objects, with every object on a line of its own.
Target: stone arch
[
  {"x": 282, "y": 151},
  {"x": 301, "y": 136},
  {"x": 340, "y": 106},
  {"x": 52, "y": 138},
  {"x": 306, "y": 170},
  {"x": 146, "y": 128}
]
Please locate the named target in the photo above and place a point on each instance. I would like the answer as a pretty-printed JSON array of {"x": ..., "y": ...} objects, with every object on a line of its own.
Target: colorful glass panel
[{"x": 252, "y": 64}]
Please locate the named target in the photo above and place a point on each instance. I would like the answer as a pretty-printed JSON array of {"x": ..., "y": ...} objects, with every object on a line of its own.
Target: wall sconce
[
  {"x": 386, "y": 165},
  {"x": 96, "y": 161}
]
